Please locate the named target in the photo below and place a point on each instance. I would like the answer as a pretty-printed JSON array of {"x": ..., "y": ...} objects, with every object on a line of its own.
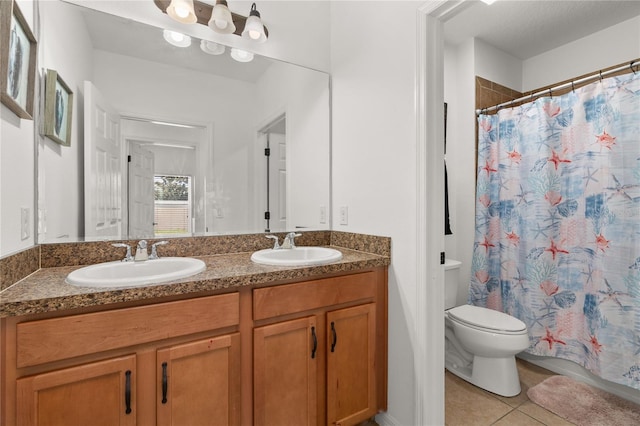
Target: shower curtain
[{"x": 557, "y": 241}]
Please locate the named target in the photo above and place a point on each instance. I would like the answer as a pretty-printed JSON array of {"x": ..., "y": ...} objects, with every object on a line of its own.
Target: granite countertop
[{"x": 46, "y": 290}]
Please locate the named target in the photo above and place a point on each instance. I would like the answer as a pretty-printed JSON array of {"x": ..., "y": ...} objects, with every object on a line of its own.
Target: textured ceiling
[{"x": 525, "y": 28}]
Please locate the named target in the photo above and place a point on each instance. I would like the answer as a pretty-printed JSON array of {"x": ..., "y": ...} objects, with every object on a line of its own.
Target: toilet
[{"x": 480, "y": 343}]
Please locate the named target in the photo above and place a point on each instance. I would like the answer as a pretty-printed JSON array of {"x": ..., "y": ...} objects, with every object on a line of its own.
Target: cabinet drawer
[
  {"x": 55, "y": 339},
  {"x": 299, "y": 297}
]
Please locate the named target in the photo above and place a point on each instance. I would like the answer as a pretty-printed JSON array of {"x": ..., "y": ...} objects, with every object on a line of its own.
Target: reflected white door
[
  {"x": 141, "y": 199},
  {"x": 103, "y": 166},
  {"x": 278, "y": 182}
]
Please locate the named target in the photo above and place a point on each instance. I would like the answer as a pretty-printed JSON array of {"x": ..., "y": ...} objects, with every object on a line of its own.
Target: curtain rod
[{"x": 597, "y": 74}]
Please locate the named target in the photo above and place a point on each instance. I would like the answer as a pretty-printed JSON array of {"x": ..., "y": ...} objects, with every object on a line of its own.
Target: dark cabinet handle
[
  {"x": 127, "y": 391},
  {"x": 165, "y": 382},
  {"x": 334, "y": 336},
  {"x": 315, "y": 342}
]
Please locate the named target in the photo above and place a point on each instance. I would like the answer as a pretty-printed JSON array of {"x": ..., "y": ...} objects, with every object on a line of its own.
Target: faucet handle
[
  {"x": 276, "y": 245},
  {"x": 127, "y": 257},
  {"x": 154, "y": 250},
  {"x": 291, "y": 236}
]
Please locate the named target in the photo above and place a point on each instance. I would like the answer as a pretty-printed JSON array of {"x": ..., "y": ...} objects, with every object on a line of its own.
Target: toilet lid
[{"x": 486, "y": 318}]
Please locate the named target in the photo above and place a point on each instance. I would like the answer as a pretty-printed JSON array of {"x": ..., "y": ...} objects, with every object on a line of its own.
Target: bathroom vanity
[{"x": 237, "y": 344}]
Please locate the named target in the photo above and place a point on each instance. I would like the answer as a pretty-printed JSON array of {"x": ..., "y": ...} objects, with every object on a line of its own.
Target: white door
[
  {"x": 278, "y": 182},
  {"x": 141, "y": 199},
  {"x": 103, "y": 167}
]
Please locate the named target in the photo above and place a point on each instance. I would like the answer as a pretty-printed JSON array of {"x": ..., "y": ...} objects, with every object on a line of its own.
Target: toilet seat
[{"x": 488, "y": 320}]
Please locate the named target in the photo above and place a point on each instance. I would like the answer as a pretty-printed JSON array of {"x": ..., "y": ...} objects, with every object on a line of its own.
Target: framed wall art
[
  {"x": 58, "y": 108},
  {"x": 18, "y": 49}
]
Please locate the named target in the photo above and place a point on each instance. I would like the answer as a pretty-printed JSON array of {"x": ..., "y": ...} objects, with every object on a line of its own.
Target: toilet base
[{"x": 497, "y": 375}]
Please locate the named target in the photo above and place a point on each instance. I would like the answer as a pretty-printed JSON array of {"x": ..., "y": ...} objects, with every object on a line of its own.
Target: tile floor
[{"x": 468, "y": 405}]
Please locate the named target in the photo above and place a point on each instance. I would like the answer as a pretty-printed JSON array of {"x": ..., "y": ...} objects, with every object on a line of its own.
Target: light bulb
[
  {"x": 241, "y": 55},
  {"x": 177, "y": 39},
  {"x": 182, "y": 11}
]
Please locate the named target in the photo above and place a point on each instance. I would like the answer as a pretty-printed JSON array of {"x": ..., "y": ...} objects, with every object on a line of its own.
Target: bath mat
[{"x": 582, "y": 404}]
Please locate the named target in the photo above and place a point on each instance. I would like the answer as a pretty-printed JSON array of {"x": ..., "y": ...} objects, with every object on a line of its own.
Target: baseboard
[
  {"x": 384, "y": 419},
  {"x": 579, "y": 373}
]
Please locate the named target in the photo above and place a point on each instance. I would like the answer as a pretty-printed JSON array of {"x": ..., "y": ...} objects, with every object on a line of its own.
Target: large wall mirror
[{"x": 171, "y": 141}]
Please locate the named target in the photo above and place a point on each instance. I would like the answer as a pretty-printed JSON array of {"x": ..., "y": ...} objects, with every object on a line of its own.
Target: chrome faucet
[
  {"x": 141, "y": 251},
  {"x": 127, "y": 257},
  {"x": 289, "y": 240},
  {"x": 154, "y": 250}
]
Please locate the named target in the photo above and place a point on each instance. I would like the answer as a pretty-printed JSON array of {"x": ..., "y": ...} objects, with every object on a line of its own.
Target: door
[
  {"x": 284, "y": 373},
  {"x": 278, "y": 181},
  {"x": 351, "y": 385},
  {"x": 141, "y": 200},
  {"x": 103, "y": 166},
  {"x": 100, "y": 393},
  {"x": 273, "y": 138},
  {"x": 199, "y": 382}
]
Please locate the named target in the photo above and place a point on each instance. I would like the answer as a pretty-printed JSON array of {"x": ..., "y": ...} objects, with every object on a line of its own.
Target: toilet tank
[{"x": 451, "y": 268}]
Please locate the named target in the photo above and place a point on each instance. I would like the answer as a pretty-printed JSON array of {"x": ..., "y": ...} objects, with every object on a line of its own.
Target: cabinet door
[
  {"x": 351, "y": 386},
  {"x": 199, "y": 382},
  {"x": 284, "y": 372},
  {"x": 100, "y": 393}
]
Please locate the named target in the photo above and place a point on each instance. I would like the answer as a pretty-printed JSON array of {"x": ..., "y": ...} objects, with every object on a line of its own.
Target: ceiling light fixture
[
  {"x": 489, "y": 2},
  {"x": 177, "y": 39},
  {"x": 218, "y": 17},
  {"x": 182, "y": 11},
  {"x": 253, "y": 28},
  {"x": 241, "y": 55}
]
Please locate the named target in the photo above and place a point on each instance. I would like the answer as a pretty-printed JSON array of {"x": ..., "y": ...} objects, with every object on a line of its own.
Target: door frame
[{"x": 429, "y": 321}]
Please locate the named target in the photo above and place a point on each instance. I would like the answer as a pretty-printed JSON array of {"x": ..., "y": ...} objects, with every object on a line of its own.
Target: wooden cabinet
[
  {"x": 200, "y": 381},
  {"x": 319, "y": 359},
  {"x": 351, "y": 380},
  {"x": 99, "y": 393},
  {"x": 284, "y": 371},
  {"x": 167, "y": 364},
  {"x": 305, "y": 353}
]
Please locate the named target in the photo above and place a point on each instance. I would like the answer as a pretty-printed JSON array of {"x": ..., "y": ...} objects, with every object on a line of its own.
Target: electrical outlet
[
  {"x": 344, "y": 215},
  {"x": 25, "y": 223},
  {"x": 323, "y": 214}
]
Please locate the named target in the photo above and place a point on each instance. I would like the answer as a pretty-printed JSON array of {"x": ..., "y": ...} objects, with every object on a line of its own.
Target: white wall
[
  {"x": 373, "y": 67},
  {"x": 460, "y": 96},
  {"x": 17, "y": 165},
  {"x": 60, "y": 175},
  {"x": 611, "y": 46}
]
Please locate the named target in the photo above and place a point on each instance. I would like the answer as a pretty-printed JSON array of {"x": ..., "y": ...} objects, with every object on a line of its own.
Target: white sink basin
[
  {"x": 131, "y": 274},
  {"x": 299, "y": 256}
]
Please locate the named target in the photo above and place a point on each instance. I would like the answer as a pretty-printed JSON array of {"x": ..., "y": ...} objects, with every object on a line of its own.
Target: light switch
[{"x": 344, "y": 215}]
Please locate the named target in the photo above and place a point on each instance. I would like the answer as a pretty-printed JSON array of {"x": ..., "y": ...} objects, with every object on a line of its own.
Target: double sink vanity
[{"x": 239, "y": 342}]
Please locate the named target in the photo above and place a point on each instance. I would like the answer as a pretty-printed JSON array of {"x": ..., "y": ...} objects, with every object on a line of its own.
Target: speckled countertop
[{"x": 45, "y": 290}]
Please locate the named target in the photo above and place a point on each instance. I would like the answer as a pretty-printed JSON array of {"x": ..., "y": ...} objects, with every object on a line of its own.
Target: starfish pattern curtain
[{"x": 557, "y": 241}]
